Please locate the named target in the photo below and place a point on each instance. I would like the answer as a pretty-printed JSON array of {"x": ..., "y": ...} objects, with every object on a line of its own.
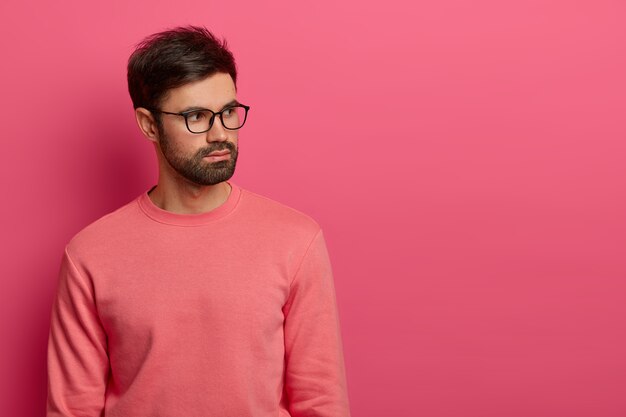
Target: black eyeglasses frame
[{"x": 186, "y": 114}]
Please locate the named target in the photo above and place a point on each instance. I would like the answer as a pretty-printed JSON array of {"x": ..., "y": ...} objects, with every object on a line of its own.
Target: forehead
[{"x": 212, "y": 93}]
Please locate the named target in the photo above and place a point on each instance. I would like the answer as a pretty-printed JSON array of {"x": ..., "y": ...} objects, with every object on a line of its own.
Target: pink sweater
[{"x": 229, "y": 313}]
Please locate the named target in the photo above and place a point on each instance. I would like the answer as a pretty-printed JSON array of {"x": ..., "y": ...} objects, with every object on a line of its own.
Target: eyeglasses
[{"x": 200, "y": 121}]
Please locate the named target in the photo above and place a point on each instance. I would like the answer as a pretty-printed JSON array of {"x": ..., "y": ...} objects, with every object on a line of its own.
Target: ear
[{"x": 147, "y": 124}]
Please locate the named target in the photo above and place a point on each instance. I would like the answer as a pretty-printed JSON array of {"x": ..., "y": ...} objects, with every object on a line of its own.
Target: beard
[{"x": 196, "y": 169}]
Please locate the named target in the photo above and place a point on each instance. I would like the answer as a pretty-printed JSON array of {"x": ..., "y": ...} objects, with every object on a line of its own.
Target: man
[{"x": 198, "y": 298}]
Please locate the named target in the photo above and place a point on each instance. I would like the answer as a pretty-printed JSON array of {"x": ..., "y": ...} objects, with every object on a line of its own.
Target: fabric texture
[{"x": 229, "y": 313}]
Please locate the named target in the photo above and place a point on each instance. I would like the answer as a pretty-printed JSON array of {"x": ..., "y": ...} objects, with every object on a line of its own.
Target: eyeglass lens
[{"x": 232, "y": 118}]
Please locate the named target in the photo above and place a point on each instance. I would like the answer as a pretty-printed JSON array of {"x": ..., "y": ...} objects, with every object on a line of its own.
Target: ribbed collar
[{"x": 163, "y": 216}]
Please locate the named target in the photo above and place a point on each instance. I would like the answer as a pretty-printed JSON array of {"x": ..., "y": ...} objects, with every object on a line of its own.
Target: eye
[
  {"x": 196, "y": 116},
  {"x": 228, "y": 112}
]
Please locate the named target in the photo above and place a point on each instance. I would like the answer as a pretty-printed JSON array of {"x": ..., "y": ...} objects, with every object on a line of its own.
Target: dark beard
[{"x": 197, "y": 170}]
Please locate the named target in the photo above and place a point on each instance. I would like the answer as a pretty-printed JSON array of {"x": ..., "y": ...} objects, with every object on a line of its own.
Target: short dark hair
[{"x": 172, "y": 58}]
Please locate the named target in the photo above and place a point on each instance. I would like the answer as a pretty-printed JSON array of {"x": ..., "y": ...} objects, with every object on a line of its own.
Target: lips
[
  {"x": 219, "y": 153},
  {"x": 215, "y": 156}
]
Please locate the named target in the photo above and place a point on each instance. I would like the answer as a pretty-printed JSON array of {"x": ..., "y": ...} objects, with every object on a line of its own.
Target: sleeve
[
  {"x": 315, "y": 379},
  {"x": 78, "y": 362}
]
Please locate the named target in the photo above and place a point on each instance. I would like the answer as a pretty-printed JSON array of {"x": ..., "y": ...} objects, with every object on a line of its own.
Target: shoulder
[
  {"x": 101, "y": 231},
  {"x": 276, "y": 214}
]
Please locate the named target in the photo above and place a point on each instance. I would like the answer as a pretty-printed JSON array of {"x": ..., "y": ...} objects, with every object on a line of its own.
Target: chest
[{"x": 234, "y": 291}]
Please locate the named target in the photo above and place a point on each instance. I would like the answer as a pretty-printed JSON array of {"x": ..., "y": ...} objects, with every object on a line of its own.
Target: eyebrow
[{"x": 196, "y": 108}]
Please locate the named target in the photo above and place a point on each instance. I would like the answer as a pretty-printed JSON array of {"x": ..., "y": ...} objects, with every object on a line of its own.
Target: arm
[
  {"x": 315, "y": 377},
  {"x": 78, "y": 362}
]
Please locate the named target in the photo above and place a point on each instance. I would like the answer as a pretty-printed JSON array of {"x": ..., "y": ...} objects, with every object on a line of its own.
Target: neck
[{"x": 183, "y": 197}]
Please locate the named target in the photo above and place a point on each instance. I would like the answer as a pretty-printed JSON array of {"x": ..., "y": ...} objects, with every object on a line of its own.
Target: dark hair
[{"x": 172, "y": 58}]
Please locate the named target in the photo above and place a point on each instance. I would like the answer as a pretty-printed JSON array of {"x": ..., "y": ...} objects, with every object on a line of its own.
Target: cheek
[{"x": 184, "y": 146}]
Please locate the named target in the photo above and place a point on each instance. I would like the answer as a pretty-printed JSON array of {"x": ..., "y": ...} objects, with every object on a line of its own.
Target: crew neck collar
[{"x": 163, "y": 216}]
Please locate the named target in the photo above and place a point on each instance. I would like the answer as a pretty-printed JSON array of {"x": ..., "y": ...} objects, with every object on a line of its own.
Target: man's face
[{"x": 188, "y": 153}]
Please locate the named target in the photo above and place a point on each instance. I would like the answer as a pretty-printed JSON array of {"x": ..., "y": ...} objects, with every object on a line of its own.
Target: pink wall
[{"x": 466, "y": 160}]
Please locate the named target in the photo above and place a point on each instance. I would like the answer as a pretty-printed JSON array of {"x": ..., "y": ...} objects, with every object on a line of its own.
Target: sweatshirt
[{"x": 228, "y": 313}]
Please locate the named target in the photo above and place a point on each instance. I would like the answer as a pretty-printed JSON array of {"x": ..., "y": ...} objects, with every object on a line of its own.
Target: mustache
[{"x": 218, "y": 147}]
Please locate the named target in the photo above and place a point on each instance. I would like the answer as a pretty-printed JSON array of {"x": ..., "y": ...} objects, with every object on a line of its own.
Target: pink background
[{"x": 466, "y": 160}]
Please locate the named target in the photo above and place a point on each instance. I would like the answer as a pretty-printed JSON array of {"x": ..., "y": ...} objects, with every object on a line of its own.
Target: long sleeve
[
  {"x": 315, "y": 379},
  {"x": 78, "y": 363}
]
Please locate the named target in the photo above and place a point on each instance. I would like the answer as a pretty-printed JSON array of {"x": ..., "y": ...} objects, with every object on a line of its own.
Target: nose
[{"x": 218, "y": 132}]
